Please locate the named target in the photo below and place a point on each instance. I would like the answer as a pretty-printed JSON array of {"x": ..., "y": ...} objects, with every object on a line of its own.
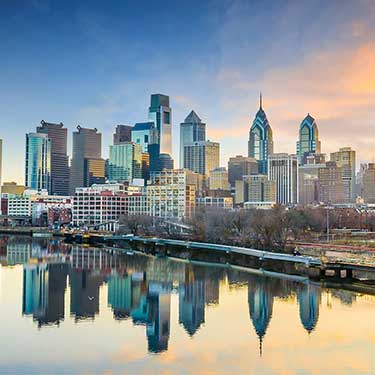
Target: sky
[{"x": 95, "y": 63}]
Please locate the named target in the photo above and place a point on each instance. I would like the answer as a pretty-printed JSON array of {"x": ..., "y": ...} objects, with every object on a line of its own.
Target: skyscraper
[
  {"x": 123, "y": 133},
  {"x": 260, "y": 139},
  {"x": 308, "y": 142},
  {"x": 331, "y": 188},
  {"x": 141, "y": 134},
  {"x": 38, "y": 162},
  {"x": 369, "y": 183},
  {"x": 161, "y": 114},
  {"x": 239, "y": 166},
  {"x": 345, "y": 159},
  {"x": 87, "y": 145},
  {"x": 202, "y": 157},
  {"x": 125, "y": 162},
  {"x": 191, "y": 130},
  {"x": 283, "y": 169},
  {"x": 59, "y": 157}
]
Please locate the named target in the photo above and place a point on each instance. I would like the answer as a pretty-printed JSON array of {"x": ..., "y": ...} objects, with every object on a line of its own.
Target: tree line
[{"x": 271, "y": 229}]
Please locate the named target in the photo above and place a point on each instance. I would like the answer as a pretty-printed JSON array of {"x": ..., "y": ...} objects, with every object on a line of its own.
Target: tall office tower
[
  {"x": 218, "y": 179},
  {"x": 359, "y": 179},
  {"x": 255, "y": 188},
  {"x": 309, "y": 179},
  {"x": 59, "y": 156},
  {"x": 202, "y": 157},
  {"x": 125, "y": 162},
  {"x": 87, "y": 144},
  {"x": 308, "y": 142},
  {"x": 123, "y": 133},
  {"x": 160, "y": 113},
  {"x": 38, "y": 162},
  {"x": 260, "y": 139},
  {"x": 368, "y": 180},
  {"x": 283, "y": 169},
  {"x": 191, "y": 130},
  {"x": 145, "y": 166},
  {"x": 141, "y": 134},
  {"x": 345, "y": 159},
  {"x": 239, "y": 166},
  {"x": 331, "y": 187},
  {"x": 166, "y": 161}
]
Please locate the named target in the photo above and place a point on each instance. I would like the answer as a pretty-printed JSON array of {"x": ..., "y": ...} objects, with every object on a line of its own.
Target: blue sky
[{"x": 95, "y": 63}]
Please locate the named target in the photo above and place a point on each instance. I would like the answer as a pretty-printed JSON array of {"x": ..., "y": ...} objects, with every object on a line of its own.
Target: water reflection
[{"x": 139, "y": 289}]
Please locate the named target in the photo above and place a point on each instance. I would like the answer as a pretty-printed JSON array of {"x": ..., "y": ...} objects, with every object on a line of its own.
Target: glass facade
[
  {"x": 38, "y": 162},
  {"x": 161, "y": 114},
  {"x": 191, "y": 130},
  {"x": 125, "y": 162},
  {"x": 308, "y": 142},
  {"x": 260, "y": 144},
  {"x": 141, "y": 134}
]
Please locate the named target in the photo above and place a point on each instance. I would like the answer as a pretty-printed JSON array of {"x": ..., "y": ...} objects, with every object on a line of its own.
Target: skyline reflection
[{"x": 140, "y": 289}]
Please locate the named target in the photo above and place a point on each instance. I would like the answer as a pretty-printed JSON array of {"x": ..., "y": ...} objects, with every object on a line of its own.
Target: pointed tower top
[{"x": 260, "y": 100}]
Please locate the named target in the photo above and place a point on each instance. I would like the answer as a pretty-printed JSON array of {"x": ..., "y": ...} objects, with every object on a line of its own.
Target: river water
[{"x": 73, "y": 310}]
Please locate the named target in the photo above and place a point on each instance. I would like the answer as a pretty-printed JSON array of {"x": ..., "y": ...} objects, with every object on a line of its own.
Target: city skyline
[{"x": 326, "y": 71}]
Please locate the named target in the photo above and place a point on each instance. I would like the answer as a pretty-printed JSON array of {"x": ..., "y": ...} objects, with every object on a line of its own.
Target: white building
[
  {"x": 283, "y": 169},
  {"x": 171, "y": 194}
]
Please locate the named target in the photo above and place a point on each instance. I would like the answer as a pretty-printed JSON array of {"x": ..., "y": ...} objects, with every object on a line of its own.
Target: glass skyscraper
[
  {"x": 160, "y": 113},
  {"x": 125, "y": 162},
  {"x": 59, "y": 156},
  {"x": 141, "y": 134},
  {"x": 191, "y": 130},
  {"x": 308, "y": 142},
  {"x": 38, "y": 162},
  {"x": 260, "y": 139}
]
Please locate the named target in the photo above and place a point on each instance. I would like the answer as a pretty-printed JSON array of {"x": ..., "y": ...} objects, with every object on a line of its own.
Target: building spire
[{"x": 260, "y": 100}]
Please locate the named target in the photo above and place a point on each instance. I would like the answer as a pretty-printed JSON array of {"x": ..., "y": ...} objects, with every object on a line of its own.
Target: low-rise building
[{"x": 221, "y": 202}]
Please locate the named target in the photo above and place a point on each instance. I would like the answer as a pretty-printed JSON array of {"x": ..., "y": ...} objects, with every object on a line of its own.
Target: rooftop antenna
[{"x": 260, "y": 100}]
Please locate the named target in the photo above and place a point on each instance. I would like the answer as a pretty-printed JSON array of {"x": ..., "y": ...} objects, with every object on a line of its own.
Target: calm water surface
[{"x": 74, "y": 310}]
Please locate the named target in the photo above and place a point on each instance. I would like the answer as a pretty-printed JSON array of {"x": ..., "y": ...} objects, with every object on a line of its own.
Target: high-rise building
[
  {"x": 218, "y": 179},
  {"x": 59, "y": 156},
  {"x": 145, "y": 167},
  {"x": 283, "y": 169},
  {"x": 308, "y": 142},
  {"x": 202, "y": 157},
  {"x": 160, "y": 113},
  {"x": 87, "y": 144},
  {"x": 38, "y": 162},
  {"x": 191, "y": 130},
  {"x": 255, "y": 189},
  {"x": 345, "y": 159},
  {"x": 123, "y": 133},
  {"x": 309, "y": 179},
  {"x": 331, "y": 187},
  {"x": 260, "y": 139},
  {"x": 369, "y": 183},
  {"x": 239, "y": 166},
  {"x": 94, "y": 172},
  {"x": 125, "y": 162},
  {"x": 141, "y": 134}
]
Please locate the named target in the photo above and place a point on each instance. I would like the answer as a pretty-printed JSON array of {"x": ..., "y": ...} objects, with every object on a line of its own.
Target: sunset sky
[{"x": 95, "y": 63}]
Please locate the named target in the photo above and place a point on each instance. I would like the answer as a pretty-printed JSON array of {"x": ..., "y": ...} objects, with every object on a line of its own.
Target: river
[{"x": 67, "y": 309}]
